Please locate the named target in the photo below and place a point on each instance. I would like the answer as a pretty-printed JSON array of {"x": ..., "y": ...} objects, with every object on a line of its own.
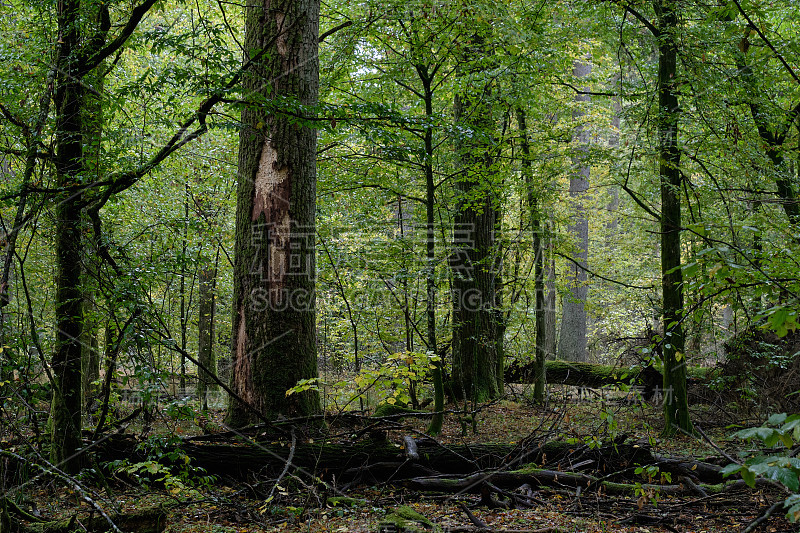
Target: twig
[
  {"x": 477, "y": 522},
  {"x": 285, "y": 466},
  {"x": 763, "y": 518}
]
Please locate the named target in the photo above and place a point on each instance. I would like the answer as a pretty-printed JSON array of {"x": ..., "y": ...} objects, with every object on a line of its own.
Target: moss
[
  {"x": 343, "y": 501},
  {"x": 406, "y": 519},
  {"x": 389, "y": 409}
]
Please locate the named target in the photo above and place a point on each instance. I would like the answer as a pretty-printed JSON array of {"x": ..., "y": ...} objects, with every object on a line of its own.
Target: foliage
[
  {"x": 782, "y": 467},
  {"x": 393, "y": 382},
  {"x": 166, "y": 466}
]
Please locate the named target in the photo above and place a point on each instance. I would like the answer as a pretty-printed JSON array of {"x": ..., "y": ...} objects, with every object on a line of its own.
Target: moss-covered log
[
  {"x": 596, "y": 376},
  {"x": 381, "y": 460},
  {"x": 376, "y": 456},
  {"x": 150, "y": 520},
  {"x": 554, "y": 479}
]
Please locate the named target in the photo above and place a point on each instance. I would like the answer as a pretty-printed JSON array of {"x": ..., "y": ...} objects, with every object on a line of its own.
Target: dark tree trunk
[
  {"x": 475, "y": 261},
  {"x": 274, "y": 336},
  {"x": 205, "y": 334},
  {"x": 65, "y": 410},
  {"x": 676, "y": 407},
  {"x": 572, "y": 344},
  {"x": 435, "y": 426},
  {"x": 92, "y": 157},
  {"x": 539, "y": 377}
]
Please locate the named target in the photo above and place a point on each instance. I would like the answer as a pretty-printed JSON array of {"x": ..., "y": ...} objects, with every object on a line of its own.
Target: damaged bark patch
[
  {"x": 242, "y": 371},
  {"x": 283, "y": 49},
  {"x": 271, "y": 184}
]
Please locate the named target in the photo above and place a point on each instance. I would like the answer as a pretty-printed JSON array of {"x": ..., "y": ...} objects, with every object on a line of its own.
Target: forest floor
[{"x": 290, "y": 503}]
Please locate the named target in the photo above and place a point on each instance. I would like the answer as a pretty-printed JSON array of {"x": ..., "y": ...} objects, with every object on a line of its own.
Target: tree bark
[
  {"x": 676, "y": 405},
  {"x": 65, "y": 409},
  {"x": 477, "y": 348},
  {"x": 539, "y": 378},
  {"x": 572, "y": 344},
  {"x": 435, "y": 426},
  {"x": 274, "y": 330},
  {"x": 205, "y": 334}
]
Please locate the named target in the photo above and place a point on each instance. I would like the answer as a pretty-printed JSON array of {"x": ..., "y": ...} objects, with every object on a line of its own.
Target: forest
[{"x": 399, "y": 266}]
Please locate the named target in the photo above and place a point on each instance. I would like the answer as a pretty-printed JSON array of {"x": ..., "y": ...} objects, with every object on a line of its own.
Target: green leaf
[
  {"x": 730, "y": 469},
  {"x": 778, "y": 418},
  {"x": 749, "y": 477}
]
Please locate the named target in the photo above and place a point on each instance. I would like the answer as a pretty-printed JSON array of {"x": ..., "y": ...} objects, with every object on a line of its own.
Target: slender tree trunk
[
  {"x": 205, "y": 333},
  {"x": 676, "y": 407},
  {"x": 184, "y": 311},
  {"x": 435, "y": 426},
  {"x": 549, "y": 296},
  {"x": 535, "y": 215},
  {"x": 93, "y": 138},
  {"x": 572, "y": 344},
  {"x": 274, "y": 330},
  {"x": 65, "y": 409}
]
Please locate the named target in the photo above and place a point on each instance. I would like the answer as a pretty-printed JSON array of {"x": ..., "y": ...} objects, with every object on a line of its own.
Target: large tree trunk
[
  {"x": 676, "y": 407},
  {"x": 274, "y": 336},
  {"x": 572, "y": 344},
  {"x": 475, "y": 261},
  {"x": 65, "y": 409}
]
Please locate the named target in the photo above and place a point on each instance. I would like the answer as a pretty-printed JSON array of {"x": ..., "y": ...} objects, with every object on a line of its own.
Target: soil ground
[{"x": 299, "y": 504}]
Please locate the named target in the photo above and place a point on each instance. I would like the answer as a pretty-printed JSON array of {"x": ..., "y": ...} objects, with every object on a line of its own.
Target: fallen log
[
  {"x": 380, "y": 459},
  {"x": 584, "y": 374},
  {"x": 150, "y": 520},
  {"x": 555, "y": 479},
  {"x": 243, "y": 460},
  {"x": 647, "y": 379}
]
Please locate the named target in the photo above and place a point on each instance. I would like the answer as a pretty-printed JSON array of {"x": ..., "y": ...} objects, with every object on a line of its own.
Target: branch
[
  {"x": 596, "y": 275},
  {"x": 183, "y": 136},
  {"x": 331, "y": 31},
  {"x": 640, "y": 202},
  {"x": 641, "y": 18},
  {"x": 766, "y": 41},
  {"x": 88, "y": 64}
]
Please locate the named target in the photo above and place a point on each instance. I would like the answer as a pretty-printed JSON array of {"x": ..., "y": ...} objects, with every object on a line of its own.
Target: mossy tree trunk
[
  {"x": 535, "y": 214},
  {"x": 274, "y": 336},
  {"x": 676, "y": 405},
  {"x": 65, "y": 409},
  {"x": 477, "y": 322}
]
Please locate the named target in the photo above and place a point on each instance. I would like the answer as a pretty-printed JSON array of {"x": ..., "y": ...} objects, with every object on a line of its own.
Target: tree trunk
[
  {"x": 676, "y": 406},
  {"x": 539, "y": 377},
  {"x": 205, "y": 334},
  {"x": 549, "y": 296},
  {"x": 475, "y": 261},
  {"x": 572, "y": 344},
  {"x": 93, "y": 138},
  {"x": 65, "y": 409},
  {"x": 435, "y": 426},
  {"x": 274, "y": 330}
]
